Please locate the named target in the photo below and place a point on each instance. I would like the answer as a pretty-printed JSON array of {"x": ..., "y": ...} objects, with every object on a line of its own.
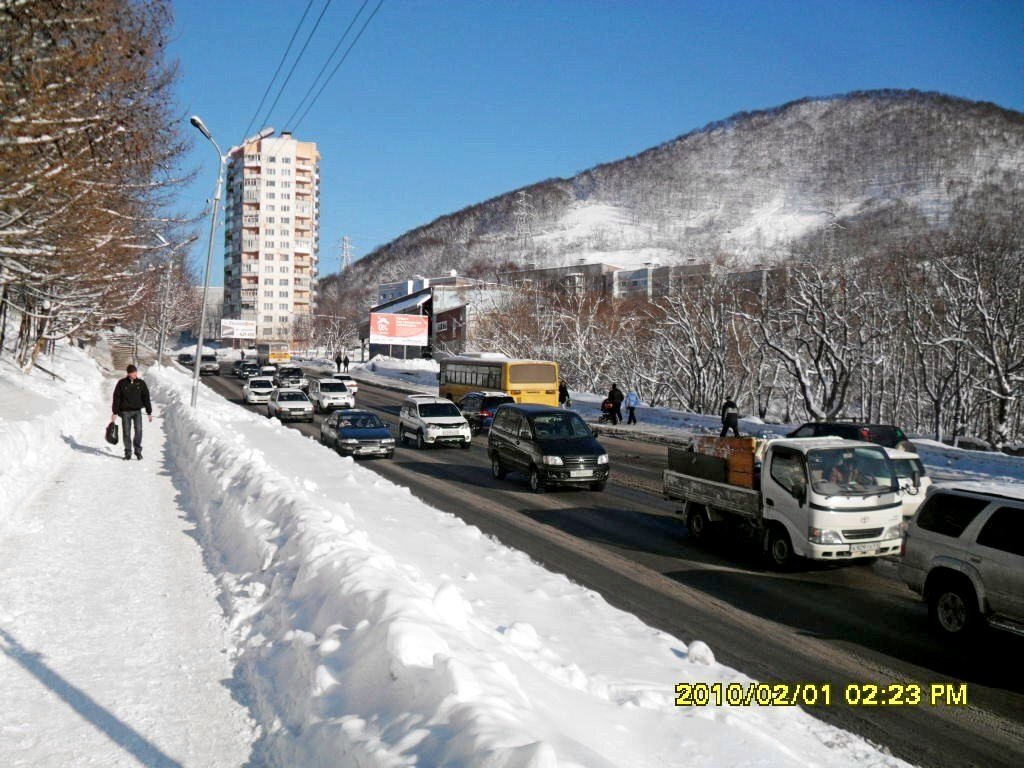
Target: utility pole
[{"x": 346, "y": 254}]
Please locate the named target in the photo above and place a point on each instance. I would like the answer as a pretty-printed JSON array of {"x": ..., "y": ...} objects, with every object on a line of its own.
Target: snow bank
[
  {"x": 39, "y": 415},
  {"x": 417, "y": 374},
  {"x": 373, "y": 630}
]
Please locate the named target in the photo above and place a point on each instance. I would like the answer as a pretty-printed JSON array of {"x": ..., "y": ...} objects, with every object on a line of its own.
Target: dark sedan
[{"x": 354, "y": 432}]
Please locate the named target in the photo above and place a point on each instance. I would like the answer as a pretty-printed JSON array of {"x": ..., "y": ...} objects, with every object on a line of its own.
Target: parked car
[
  {"x": 290, "y": 377},
  {"x": 348, "y": 381},
  {"x": 964, "y": 553},
  {"x": 186, "y": 358},
  {"x": 549, "y": 445},
  {"x": 258, "y": 389},
  {"x": 289, "y": 404},
  {"x": 329, "y": 394},
  {"x": 479, "y": 408},
  {"x": 430, "y": 420},
  {"x": 913, "y": 479},
  {"x": 209, "y": 364},
  {"x": 885, "y": 435},
  {"x": 357, "y": 433}
]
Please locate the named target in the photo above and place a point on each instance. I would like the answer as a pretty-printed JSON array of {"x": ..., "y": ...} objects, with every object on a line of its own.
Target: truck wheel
[
  {"x": 498, "y": 470},
  {"x": 778, "y": 548},
  {"x": 953, "y": 608},
  {"x": 698, "y": 523},
  {"x": 536, "y": 483}
]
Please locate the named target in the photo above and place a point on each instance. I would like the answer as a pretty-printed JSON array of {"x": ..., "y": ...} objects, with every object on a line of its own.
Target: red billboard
[{"x": 408, "y": 330}]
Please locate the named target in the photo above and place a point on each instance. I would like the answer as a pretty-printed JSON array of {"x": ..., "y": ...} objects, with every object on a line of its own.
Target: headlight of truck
[
  {"x": 553, "y": 461},
  {"x": 822, "y": 536},
  {"x": 602, "y": 459},
  {"x": 893, "y": 531},
  {"x": 388, "y": 441}
]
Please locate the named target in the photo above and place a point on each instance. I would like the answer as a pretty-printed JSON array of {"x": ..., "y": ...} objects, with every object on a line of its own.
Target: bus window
[{"x": 531, "y": 373}]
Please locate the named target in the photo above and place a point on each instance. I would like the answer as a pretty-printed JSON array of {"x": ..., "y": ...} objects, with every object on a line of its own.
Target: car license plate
[
  {"x": 869, "y": 547},
  {"x": 581, "y": 473}
]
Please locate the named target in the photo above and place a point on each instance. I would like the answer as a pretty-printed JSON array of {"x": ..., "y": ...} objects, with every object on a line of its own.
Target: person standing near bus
[
  {"x": 615, "y": 397},
  {"x": 564, "y": 401}
]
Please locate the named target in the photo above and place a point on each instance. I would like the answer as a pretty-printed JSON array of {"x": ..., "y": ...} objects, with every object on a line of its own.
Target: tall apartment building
[{"x": 272, "y": 234}]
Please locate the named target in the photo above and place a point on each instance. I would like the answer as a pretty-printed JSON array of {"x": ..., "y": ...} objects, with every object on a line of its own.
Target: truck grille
[
  {"x": 862, "y": 533},
  {"x": 577, "y": 462}
]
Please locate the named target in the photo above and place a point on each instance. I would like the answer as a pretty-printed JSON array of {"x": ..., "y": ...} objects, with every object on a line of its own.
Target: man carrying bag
[{"x": 131, "y": 395}]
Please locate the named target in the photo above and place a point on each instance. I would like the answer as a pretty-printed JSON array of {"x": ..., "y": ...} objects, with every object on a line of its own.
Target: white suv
[
  {"x": 430, "y": 420},
  {"x": 328, "y": 394},
  {"x": 964, "y": 553}
]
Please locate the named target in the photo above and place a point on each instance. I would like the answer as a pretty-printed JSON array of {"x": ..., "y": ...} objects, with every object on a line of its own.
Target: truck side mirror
[
  {"x": 799, "y": 492},
  {"x": 916, "y": 477}
]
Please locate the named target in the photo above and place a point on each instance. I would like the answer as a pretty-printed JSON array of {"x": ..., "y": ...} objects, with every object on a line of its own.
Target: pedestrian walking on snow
[
  {"x": 337, "y": 362},
  {"x": 615, "y": 396},
  {"x": 730, "y": 417},
  {"x": 564, "y": 401},
  {"x": 131, "y": 395},
  {"x": 344, "y": 362},
  {"x": 632, "y": 402}
]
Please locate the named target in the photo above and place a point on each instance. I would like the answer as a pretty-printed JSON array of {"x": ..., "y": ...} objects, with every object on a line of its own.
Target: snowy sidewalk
[{"x": 113, "y": 647}]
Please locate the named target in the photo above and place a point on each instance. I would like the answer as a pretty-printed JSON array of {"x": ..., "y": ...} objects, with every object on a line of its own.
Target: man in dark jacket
[
  {"x": 615, "y": 396},
  {"x": 564, "y": 401},
  {"x": 344, "y": 362},
  {"x": 730, "y": 417},
  {"x": 337, "y": 361},
  {"x": 131, "y": 395}
]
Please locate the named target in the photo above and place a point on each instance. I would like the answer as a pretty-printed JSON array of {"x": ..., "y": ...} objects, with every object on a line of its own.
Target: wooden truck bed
[{"x": 729, "y": 498}]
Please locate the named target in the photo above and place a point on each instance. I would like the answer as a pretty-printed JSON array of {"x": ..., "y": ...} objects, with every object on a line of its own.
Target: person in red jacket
[{"x": 131, "y": 395}]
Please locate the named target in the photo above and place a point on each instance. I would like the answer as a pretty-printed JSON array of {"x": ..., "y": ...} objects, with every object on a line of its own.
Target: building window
[
  {"x": 270, "y": 183},
  {"x": 286, "y": 257},
  {"x": 442, "y": 326},
  {"x": 285, "y": 183},
  {"x": 271, "y": 159},
  {"x": 286, "y": 159},
  {"x": 283, "y": 294},
  {"x": 268, "y": 268},
  {"x": 270, "y": 195},
  {"x": 268, "y": 318},
  {"x": 286, "y": 195},
  {"x": 282, "y": 269},
  {"x": 268, "y": 306}
]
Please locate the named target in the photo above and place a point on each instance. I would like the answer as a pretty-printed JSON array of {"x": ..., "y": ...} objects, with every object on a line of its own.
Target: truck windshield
[{"x": 860, "y": 471}]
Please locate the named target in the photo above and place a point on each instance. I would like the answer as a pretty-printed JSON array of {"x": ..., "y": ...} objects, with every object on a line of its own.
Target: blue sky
[{"x": 446, "y": 103}]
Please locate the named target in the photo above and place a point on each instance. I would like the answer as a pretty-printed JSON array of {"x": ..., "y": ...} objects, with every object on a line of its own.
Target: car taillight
[
  {"x": 864, "y": 435},
  {"x": 486, "y": 414}
]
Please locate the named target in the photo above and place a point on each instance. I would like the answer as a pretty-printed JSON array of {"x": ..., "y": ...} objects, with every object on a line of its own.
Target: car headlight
[
  {"x": 602, "y": 459},
  {"x": 388, "y": 441},
  {"x": 822, "y": 536},
  {"x": 893, "y": 531},
  {"x": 350, "y": 441},
  {"x": 555, "y": 461}
]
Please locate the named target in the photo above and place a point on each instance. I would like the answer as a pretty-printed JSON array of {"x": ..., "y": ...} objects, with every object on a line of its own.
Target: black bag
[{"x": 111, "y": 435}]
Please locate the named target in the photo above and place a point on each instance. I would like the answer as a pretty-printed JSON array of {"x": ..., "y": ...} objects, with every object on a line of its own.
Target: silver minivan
[{"x": 964, "y": 553}]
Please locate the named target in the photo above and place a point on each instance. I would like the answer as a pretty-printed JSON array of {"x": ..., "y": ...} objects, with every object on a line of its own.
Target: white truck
[{"x": 824, "y": 499}]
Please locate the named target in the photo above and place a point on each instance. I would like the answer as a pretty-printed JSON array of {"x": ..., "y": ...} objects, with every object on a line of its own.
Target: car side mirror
[{"x": 916, "y": 477}]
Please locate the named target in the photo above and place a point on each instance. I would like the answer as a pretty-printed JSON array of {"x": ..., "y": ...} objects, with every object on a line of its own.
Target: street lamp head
[
  {"x": 198, "y": 123},
  {"x": 268, "y": 131}
]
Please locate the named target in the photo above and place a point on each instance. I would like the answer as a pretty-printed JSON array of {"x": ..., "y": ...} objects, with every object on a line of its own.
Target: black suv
[
  {"x": 479, "y": 408},
  {"x": 549, "y": 445},
  {"x": 885, "y": 435}
]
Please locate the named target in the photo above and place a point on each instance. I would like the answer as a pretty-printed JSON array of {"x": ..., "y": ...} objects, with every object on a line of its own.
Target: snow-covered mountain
[{"x": 866, "y": 168}]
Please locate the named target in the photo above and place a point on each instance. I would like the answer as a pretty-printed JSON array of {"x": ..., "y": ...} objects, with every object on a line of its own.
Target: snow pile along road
[
  {"x": 376, "y": 631},
  {"x": 39, "y": 416}
]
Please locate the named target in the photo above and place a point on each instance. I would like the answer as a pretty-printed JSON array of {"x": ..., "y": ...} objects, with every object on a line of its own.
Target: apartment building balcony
[
  {"x": 302, "y": 245},
  {"x": 251, "y": 195}
]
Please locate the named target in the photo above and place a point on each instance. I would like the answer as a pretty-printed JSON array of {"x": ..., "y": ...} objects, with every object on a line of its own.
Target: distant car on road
[
  {"x": 479, "y": 408},
  {"x": 964, "y": 553},
  {"x": 248, "y": 370},
  {"x": 186, "y": 358},
  {"x": 289, "y": 404},
  {"x": 290, "y": 377},
  {"x": 885, "y": 435},
  {"x": 357, "y": 433},
  {"x": 430, "y": 420},
  {"x": 209, "y": 364},
  {"x": 329, "y": 394},
  {"x": 348, "y": 381},
  {"x": 549, "y": 445},
  {"x": 258, "y": 389}
]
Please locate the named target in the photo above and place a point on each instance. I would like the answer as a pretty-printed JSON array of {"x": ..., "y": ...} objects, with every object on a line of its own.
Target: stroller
[{"x": 606, "y": 412}]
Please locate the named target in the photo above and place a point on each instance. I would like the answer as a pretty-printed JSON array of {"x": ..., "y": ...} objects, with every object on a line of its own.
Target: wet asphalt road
[{"x": 839, "y": 624}]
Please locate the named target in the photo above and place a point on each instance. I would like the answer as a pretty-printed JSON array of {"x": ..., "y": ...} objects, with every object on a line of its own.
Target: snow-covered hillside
[{"x": 882, "y": 165}]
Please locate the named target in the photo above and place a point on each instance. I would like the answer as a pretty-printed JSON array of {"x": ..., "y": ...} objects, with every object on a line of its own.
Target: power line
[
  {"x": 326, "y": 63},
  {"x": 295, "y": 63},
  {"x": 338, "y": 66},
  {"x": 278, "y": 70}
]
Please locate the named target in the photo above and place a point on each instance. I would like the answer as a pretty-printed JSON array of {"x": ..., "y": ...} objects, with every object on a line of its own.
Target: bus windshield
[{"x": 860, "y": 471}]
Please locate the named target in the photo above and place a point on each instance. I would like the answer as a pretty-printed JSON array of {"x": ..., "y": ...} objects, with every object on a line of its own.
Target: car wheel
[
  {"x": 498, "y": 470},
  {"x": 536, "y": 484},
  {"x": 779, "y": 549},
  {"x": 466, "y": 445},
  {"x": 420, "y": 445},
  {"x": 953, "y": 608}
]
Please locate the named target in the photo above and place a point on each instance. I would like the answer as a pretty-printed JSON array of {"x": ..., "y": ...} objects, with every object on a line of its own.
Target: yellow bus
[{"x": 527, "y": 381}]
